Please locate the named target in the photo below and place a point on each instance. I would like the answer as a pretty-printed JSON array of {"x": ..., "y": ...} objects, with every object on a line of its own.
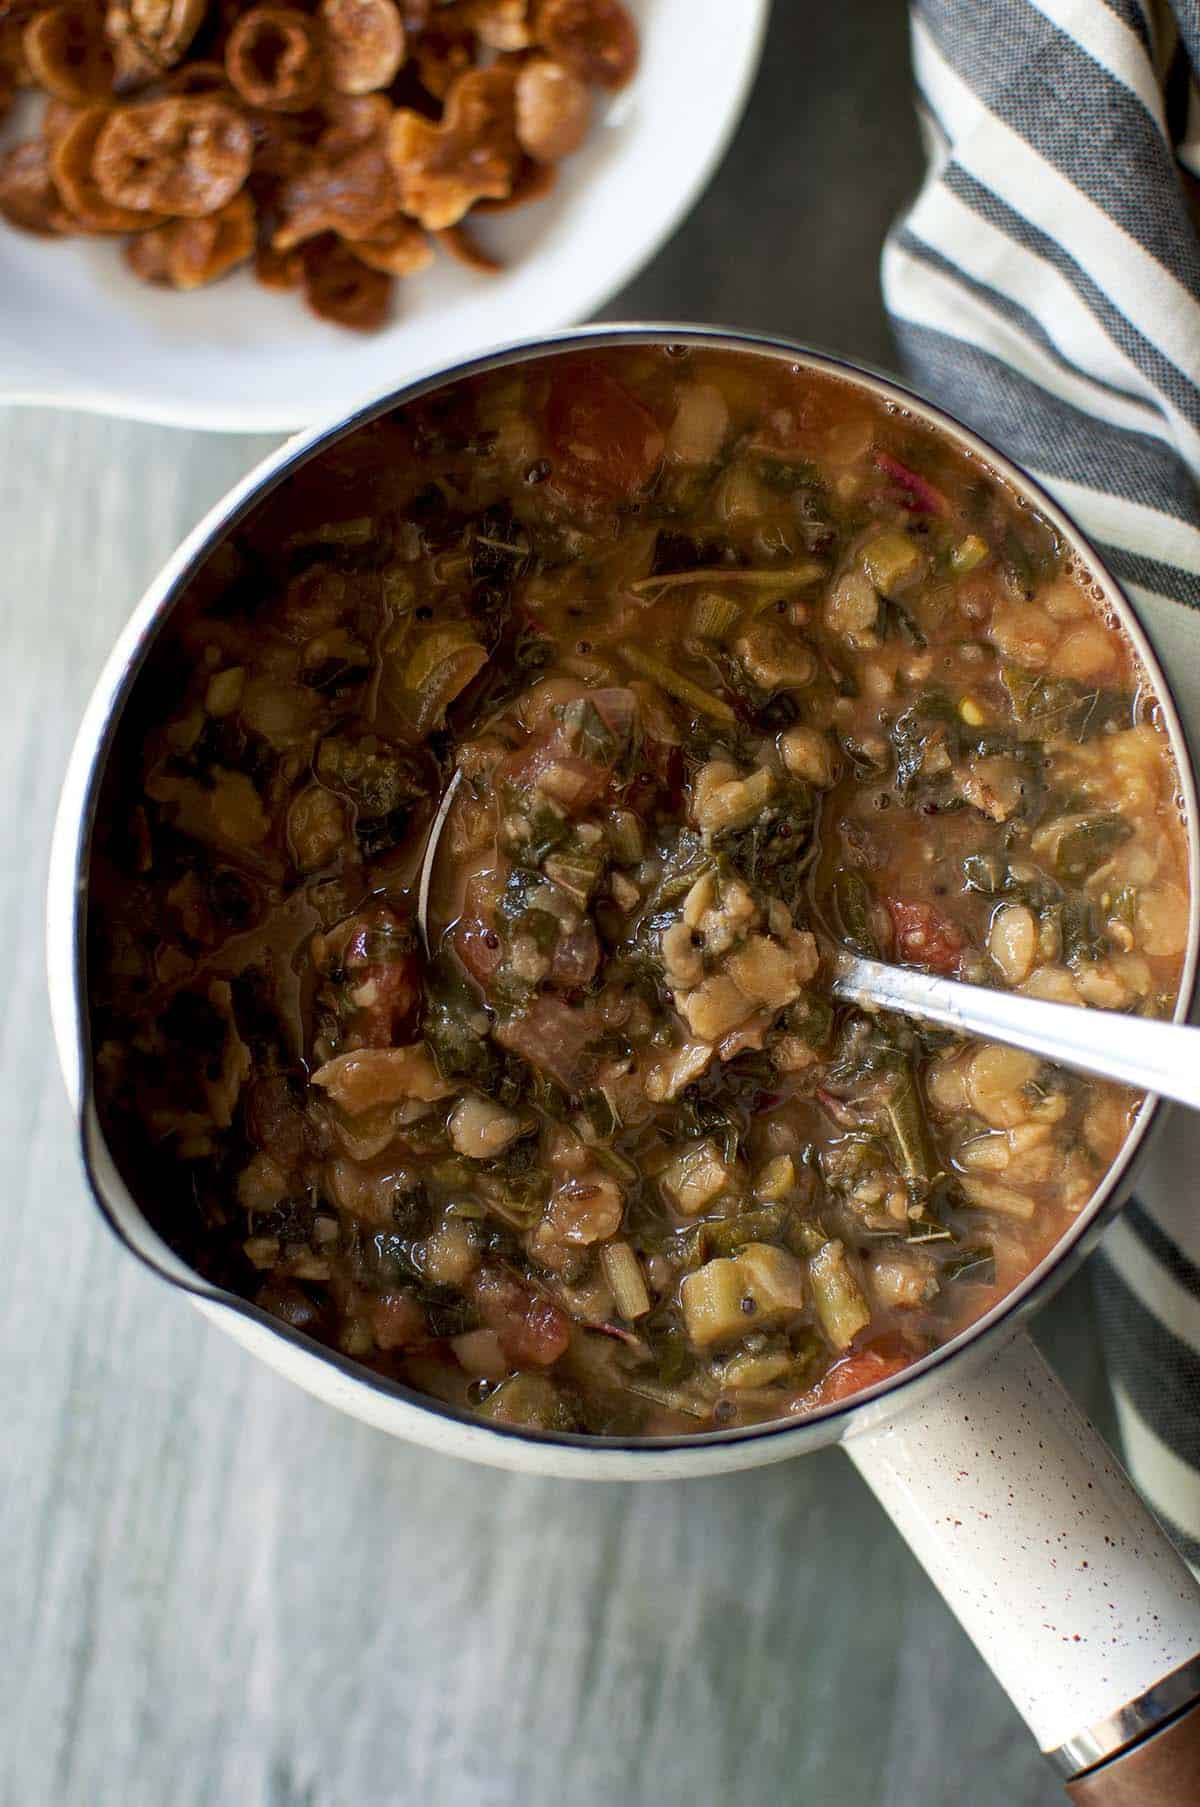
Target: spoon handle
[{"x": 1152, "y": 1056}]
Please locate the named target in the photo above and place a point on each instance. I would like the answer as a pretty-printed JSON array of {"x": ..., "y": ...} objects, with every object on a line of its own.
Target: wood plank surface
[{"x": 217, "y": 1593}]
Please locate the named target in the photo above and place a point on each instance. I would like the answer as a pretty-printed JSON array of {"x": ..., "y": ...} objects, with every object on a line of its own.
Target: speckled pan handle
[{"x": 1036, "y": 1538}]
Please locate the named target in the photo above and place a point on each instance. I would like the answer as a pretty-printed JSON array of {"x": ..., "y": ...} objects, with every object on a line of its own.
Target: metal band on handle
[
  {"x": 1160, "y": 1770},
  {"x": 1130, "y": 1722}
]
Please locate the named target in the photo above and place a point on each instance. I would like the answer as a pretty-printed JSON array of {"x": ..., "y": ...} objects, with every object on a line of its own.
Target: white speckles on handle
[{"x": 1037, "y": 1540}]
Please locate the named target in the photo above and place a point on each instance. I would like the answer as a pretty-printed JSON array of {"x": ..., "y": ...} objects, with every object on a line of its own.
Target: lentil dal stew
[{"x": 737, "y": 662}]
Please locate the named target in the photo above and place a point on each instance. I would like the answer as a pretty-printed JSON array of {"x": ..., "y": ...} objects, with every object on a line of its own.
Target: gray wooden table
[{"x": 215, "y": 1592}]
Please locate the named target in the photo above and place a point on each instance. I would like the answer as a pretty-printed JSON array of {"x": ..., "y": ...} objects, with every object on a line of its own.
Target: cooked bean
[
  {"x": 852, "y": 605},
  {"x": 700, "y": 425},
  {"x": 1013, "y": 941},
  {"x": 808, "y": 754},
  {"x": 1162, "y": 920},
  {"x": 480, "y": 1129},
  {"x": 997, "y": 1084}
]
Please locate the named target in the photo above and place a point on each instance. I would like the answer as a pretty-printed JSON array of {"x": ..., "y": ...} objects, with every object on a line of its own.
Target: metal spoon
[{"x": 1152, "y": 1057}]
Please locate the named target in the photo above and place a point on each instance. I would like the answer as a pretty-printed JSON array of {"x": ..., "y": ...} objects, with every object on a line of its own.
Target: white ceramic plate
[{"x": 78, "y": 330}]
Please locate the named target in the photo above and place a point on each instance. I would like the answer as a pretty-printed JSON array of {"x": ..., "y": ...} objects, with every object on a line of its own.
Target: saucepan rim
[{"x": 78, "y": 817}]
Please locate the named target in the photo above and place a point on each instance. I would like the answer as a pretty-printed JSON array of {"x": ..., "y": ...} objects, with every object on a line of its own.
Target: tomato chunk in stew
[{"x": 735, "y": 664}]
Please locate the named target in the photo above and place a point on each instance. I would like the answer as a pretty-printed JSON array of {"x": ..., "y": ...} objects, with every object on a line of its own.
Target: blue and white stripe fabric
[{"x": 1045, "y": 287}]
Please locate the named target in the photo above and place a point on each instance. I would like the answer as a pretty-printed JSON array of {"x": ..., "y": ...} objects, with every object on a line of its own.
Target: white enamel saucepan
[{"x": 1019, "y": 1512}]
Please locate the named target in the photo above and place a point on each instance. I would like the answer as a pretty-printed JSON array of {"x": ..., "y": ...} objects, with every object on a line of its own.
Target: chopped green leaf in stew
[{"x": 735, "y": 664}]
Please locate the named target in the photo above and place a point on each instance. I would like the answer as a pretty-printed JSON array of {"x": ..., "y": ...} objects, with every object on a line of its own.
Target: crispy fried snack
[
  {"x": 554, "y": 110},
  {"x": 56, "y": 117},
  {"x": 28, "y": 197},
  {"x": 331, "y": 145},
  {"x": 354, "y": 119},
  {"x": 443, "y": 53},
  {"x": 200, "y": 76},
  {"x": 338, "y": 286},
  {"x": 274, "y": 59},
  {"x": 72, "y": 161},
  {"x": 500, "y": 24},
  {"x": 188, "y": 156},
  {"x": 68, "y": 55},
  {"x": 364, "y": 44},
  {"x": 19, "y": 12},
  {"x": 187, "y": 254},
  {"x": 351, "y": 191},
  {"x": 595, "y": 39},
  {"x": 398, "y": 248},
  {"x": 532, "y": 182},
  {"x": 149, "y": 37},
  {"x": 469, "y": 155},
  {"x": 277, "y": 269}
]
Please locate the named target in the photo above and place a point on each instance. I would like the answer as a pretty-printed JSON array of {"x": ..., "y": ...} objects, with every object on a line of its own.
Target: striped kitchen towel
[{"x": 1045, "y": 287}]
